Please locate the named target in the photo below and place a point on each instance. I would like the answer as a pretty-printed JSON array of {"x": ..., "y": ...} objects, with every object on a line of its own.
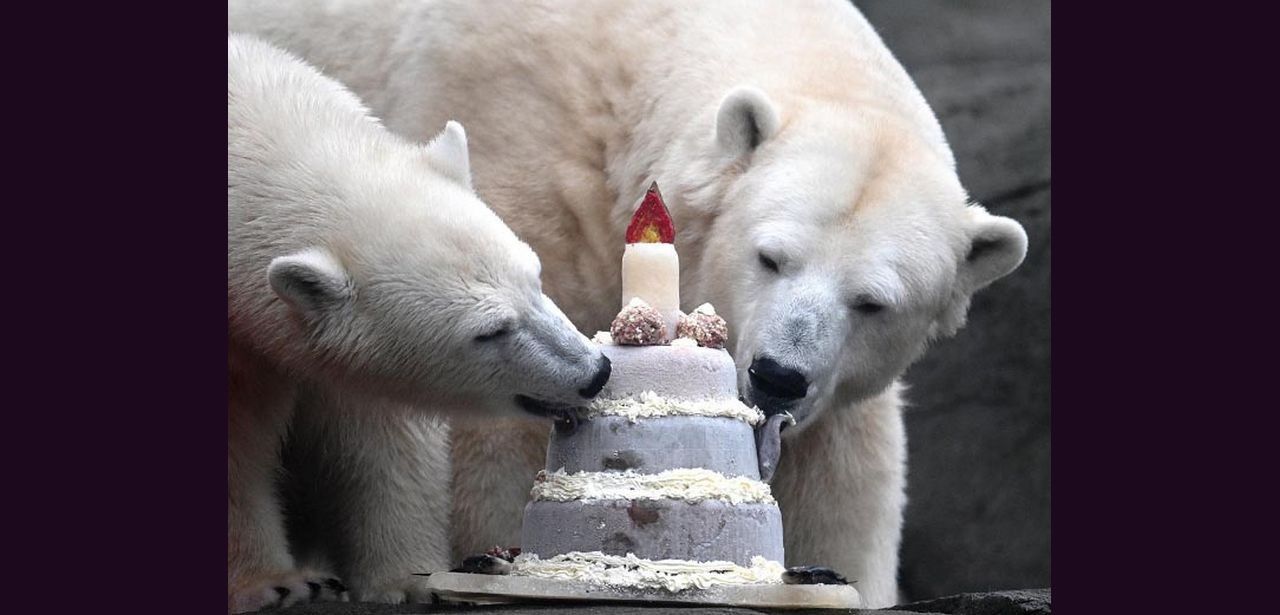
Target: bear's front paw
[
  {"x": 284, "y": 589},
  {"x": 412, "y": 590}
]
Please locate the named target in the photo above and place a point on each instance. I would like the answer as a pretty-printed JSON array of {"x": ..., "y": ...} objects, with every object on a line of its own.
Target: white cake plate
[{"x": 484, "y": 588}]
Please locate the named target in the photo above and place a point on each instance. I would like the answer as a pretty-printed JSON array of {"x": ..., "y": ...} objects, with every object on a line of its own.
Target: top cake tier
[{"x": 671, "y": 372}]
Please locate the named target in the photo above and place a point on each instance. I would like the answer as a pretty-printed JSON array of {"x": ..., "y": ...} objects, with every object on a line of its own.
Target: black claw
[
  {"x": 812, "y": 575},
  {"x": 335, "y": 585},
  {"x": 484, "y": 564},
  {"x": 283, "y": 592},
  {"x": 315, "y": 589}
]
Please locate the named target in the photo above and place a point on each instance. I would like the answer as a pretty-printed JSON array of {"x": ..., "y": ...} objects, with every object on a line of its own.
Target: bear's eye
[
  {"x": 767, "y": 263},
  {"x": 497, "y": 334},
  {"x": 868, "y": 307}
]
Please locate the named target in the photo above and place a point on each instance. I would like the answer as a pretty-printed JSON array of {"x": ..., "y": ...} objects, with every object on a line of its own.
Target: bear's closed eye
[
  {"x": 868, "y": 307},
  {"x": 768, "y": 263},
  {"x": 489, "y": 337}
]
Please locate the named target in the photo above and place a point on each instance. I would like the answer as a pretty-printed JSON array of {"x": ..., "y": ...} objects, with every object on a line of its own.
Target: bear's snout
[
  {"x": 599, "y": 380},
  {"x": 775, "y": 380}
]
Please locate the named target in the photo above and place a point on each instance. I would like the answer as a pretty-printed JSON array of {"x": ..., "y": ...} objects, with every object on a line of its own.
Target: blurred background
[{"x": 978, "y": 420}]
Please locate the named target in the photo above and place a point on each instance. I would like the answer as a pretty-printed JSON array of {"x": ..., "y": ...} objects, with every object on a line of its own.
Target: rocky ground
[{"x": 1022, "y": 602}]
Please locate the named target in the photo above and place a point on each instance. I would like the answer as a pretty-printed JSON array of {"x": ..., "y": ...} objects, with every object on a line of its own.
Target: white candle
[{"x": 651, "y": 271}]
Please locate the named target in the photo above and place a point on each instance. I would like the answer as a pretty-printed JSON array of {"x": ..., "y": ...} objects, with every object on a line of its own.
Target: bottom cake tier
[
  {"x": 631, "y": 572},
  {"x": 710, "y": 530}
]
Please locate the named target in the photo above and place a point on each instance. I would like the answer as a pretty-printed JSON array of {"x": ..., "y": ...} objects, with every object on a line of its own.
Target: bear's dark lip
[
  {"x": 566, "y": 417},
  {"x": 768, "y": 404},
  {"x": 533, "y": 406}
]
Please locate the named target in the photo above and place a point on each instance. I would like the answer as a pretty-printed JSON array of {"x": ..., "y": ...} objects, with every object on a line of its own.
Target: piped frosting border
[
  {"x": 674, "y": 575},
  {"x": 649, "y": 404},
  {"x": 687, "y": 484}
]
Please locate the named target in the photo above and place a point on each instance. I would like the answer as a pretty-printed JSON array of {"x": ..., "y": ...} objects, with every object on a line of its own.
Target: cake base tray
[{"x": 497, "y": 589}]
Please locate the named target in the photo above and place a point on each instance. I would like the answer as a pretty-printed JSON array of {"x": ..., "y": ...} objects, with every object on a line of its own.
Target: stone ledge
[{"x": 1014, "y": 602}]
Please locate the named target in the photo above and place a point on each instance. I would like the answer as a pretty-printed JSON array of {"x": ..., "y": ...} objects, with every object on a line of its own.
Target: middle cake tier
[
  {"x": 652, "y": 445},
  {"x": 710, "y": 530},
  {"x": 690, "y": 514}
]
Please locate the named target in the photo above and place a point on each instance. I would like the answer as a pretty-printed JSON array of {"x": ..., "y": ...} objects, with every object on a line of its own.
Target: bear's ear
[
  {"x": 746, "y": 119},
  {"x": 447, "y": 153},
  {"x": 310, "y": 281},
  {"x": 997, "y": 245}
]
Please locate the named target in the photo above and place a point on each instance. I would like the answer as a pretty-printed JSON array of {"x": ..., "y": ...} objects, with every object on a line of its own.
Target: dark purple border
[
  {"x": 117, "y": 231},
  {"x": 1149, "y": 505},
  {"x": 116, "y": 453}
]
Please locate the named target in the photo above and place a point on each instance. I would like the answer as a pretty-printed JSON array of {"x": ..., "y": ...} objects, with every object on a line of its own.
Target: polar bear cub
[{"x": 364, "y": 279}]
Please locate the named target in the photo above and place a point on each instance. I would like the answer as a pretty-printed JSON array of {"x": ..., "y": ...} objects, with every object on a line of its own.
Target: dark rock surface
[
  {"x": 978, "y": 425},
  {"x": 1018, "y": 602}
]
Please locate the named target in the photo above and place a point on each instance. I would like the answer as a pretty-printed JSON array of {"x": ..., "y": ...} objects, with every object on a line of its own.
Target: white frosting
[
  {"x": 649, "y": 404},
  {"x": 604, "y": 338},
  {"x": 687, "y": 484},
  {"x": 674, "y": 575},
  {"x": 706, "y": 308},
  {"x": 682, "y": 342}
]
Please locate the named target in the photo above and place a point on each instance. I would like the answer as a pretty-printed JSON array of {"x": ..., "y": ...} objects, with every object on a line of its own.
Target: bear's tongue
[{"x": 769, "y": 443}]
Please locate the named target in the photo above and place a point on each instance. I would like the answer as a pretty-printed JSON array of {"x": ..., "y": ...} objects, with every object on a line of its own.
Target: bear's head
[
  {"x": 420, "y": 293},
  {"x": 838, "y": 244}
]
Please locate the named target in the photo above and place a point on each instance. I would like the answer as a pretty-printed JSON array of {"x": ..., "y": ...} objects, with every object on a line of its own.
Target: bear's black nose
[
  {"x": 772, "y": 379},
  {"x": 597, "y": 383}
]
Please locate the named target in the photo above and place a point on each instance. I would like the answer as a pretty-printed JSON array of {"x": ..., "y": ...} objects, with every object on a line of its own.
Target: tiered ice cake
[{"x": 660, "y": 486}]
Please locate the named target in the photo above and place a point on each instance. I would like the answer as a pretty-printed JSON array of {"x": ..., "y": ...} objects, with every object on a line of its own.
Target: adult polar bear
[
  {"x": 363, "y": 277},
  {"x": 815, "y": 195}
]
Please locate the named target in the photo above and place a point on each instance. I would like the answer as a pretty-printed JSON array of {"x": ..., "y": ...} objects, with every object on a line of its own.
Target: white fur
[
  {"x": 360, "y": 271},
  {"x": 784, "y": 129}
]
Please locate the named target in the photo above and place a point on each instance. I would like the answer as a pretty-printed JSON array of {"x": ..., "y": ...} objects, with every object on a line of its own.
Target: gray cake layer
[
  {"x": 655, "y": 529},
  {"x": 652, "y": 445},
  {"x": 670, "y": 371}
]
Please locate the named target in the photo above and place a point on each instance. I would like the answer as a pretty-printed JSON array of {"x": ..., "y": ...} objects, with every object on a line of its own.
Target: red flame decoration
[{"x": 652, "y": 222}]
